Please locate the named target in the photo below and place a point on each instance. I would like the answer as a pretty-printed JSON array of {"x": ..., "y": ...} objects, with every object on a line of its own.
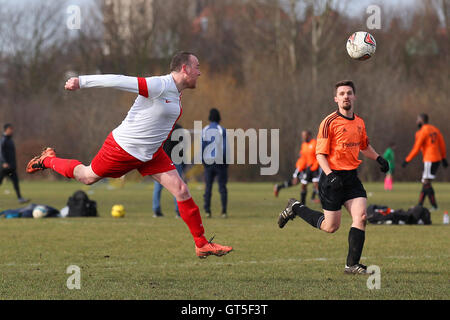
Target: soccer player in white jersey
[{"x": 137, "y": 142}]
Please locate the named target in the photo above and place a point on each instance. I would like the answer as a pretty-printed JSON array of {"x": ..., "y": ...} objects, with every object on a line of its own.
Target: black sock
[
  {"x": 356, "y": 239},
  {"x": 421, "y": 197},
  {"x": 303, "y": 196},
  {"x": 285, "y": 184},
  {"x": 432, "y": 197},
  {"x": 314, "y": 218}
]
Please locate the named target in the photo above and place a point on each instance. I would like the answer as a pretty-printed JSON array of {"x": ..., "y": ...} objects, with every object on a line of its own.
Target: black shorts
[
  {"x": 429, "y": 170},
  {"x": 310, "y": 176},
  {"x": 333, "y": 200}
]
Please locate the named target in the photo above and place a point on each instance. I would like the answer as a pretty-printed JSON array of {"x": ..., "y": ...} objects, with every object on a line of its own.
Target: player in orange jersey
[
  {"x": 342, "y": 136},
  {"x": 312, "y": 171},
  {"x": 300, "y": 166},
  {"x": 306, "y": 169},
  {"x": 430, "y": 141}
]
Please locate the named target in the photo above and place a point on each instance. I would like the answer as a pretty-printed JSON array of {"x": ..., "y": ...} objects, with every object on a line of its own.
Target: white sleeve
[
  {"x": 110, "y": 81},
  {"x": 150, "y": 87}
]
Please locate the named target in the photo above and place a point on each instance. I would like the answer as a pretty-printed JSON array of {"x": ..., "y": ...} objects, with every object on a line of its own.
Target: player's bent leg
[
  {"x": 85, "y": 174},
  {"x": 331, "y": 221},
  {"x": 295, "y": 208}
]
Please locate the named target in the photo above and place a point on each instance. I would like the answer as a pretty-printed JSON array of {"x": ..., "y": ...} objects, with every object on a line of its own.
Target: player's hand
[
  {"x": 404, "y": 164},
  {"x": 5, "y": 165},
  {"x": 384, "y": 165},
  {"x": 72, "y": 84},
  {"x": 445, "y": 163},
  {"x": 333, "y": 181}
]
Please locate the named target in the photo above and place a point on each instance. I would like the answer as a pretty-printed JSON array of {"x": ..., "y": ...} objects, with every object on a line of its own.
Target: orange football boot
[
  {"x": 212, "y": 249},
  {"x": 37, "y": 163}
]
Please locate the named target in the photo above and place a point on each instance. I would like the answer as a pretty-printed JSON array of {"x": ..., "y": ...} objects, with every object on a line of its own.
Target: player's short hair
[
  {"x": 344, "y": 83},
  {"x": 6, "y": 126},
  {"x": 214, "y": 115},
  {"x": 179, "y": 59},
  {"x": 424, "y": 117}
]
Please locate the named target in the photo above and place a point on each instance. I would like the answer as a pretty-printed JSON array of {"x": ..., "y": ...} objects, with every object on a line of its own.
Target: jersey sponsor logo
[
  {"x": 351, "y": 144},
  {"x": 167, "y": 101}
]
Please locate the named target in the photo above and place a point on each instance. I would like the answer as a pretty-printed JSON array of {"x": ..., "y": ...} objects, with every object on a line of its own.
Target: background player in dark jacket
[
  {"x": 8, "y": 164},
  {"x": 214, "y": 161}
]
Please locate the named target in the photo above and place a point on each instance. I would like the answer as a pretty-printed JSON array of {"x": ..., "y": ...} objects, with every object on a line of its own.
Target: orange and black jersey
[
  {"x": 430, "y": 141},
  {"x": 308, "y": 150},
  {"x": 307, "y": 157},
  {"x": 341, "y": 139}
]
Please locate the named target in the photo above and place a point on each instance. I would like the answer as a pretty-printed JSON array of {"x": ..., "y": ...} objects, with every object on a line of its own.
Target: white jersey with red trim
[{"x": 152, "y": 116}]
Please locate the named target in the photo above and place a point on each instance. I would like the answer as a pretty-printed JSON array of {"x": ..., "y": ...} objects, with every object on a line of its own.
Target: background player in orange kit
[
  {"x": 430, "y": 141},
  {"x": 312, "y": 171},
  {"x": 342, "y": 136},
  {"x": 306, "y": 169}
]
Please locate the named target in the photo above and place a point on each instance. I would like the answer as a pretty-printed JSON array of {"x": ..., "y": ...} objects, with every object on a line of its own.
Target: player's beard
[
  {"x": 347, "y": 107},
  {"x": 192, "y": 84}
]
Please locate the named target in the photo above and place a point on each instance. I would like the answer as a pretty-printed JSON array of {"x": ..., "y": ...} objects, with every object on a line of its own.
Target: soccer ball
[
  {"x": 39, "y": 212},
  {"x": 118, "y": 211},
  {"x": 361, "y": 45}
]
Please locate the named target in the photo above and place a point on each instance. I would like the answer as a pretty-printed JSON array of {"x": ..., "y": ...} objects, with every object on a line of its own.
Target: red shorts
[{"x": 113, "y": 162}]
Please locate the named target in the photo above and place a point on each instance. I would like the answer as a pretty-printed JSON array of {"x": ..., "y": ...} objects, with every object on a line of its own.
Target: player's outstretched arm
[{"x": 131, "y": 84}]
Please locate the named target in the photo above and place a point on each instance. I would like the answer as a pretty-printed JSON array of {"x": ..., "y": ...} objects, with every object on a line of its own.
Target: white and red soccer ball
[{"x": 361, "y": 45}]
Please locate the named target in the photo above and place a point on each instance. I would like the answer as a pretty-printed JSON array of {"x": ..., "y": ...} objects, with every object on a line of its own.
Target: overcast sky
[{"x": 355, "y": 6}]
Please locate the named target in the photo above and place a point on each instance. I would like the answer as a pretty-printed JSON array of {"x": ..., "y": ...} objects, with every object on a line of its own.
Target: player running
[
  {"x": 137, "y": 142},
  {"x": 342, "y": 136},
  {"x": 430, "y": 141},
  {"x": 306, "y": 169}
]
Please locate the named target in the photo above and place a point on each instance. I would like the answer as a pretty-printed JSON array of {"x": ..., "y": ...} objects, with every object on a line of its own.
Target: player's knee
[
  {"x": 361, "y": 219},
  {"x": 330, "y": 228},
  {"x": 87, "y": 181},
  {"x": 181, "y": 191}
]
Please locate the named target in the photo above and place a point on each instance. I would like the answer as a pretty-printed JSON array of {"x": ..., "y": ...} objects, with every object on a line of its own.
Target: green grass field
[{"x": 140, "y": 257}]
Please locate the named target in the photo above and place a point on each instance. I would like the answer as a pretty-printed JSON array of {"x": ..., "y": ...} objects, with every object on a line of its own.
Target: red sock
[
  {"x": 190, "y": 214},
  {"x": 64, "y": 167}
]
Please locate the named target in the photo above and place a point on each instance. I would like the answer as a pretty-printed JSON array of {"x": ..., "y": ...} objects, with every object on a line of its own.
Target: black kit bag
[{"x": 81, "y": 206}]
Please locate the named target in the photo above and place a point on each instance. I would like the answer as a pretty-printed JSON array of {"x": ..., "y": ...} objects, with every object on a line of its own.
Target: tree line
[{"x": 265, "y": 64}]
